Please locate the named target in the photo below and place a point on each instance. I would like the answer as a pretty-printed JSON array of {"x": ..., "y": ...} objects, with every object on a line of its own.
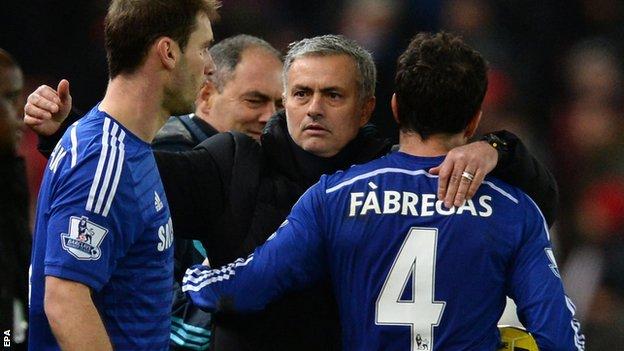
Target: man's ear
[
  {"x": 204, "y": 97},
  {"x": 395, "y": 108},
  {"x": 367, "y": 110},
  {"x": 168, "y": 52},
  {"x": 471, "y": 128}
]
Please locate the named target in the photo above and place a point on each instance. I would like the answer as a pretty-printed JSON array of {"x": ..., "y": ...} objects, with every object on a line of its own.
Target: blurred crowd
[{"x": 555, "y": 80}]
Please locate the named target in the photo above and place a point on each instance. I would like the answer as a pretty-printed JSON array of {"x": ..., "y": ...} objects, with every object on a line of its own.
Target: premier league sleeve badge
[{"x": 83, "y": 238}]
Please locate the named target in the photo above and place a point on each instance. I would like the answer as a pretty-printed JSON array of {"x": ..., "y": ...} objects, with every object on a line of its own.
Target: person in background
[{"x": 15, "y": 239}]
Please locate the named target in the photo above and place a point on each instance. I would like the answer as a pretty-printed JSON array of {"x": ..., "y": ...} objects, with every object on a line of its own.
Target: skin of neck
[
  {"x": 435, "y": 145},
  {"x": 136, "y": 99}
]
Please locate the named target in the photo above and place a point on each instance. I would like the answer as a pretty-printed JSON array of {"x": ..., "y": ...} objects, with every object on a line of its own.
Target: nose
[
  {"x": 267, "y": 113},
  {"x": 209, "y": 65},
  {"x": 315, "y": 108}
]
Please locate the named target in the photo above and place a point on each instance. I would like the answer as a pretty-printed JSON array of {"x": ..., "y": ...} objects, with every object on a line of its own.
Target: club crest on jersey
[{"x": 83, "y": 238}]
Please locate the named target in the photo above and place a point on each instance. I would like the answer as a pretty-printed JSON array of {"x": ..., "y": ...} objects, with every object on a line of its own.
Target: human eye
[
  {"x": 334, "y": 95},
  {"x": 299, "y": 93},
  {"x": 254, "y": 103}
]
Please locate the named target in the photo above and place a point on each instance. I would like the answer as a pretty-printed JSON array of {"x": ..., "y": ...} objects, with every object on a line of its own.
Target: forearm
[
  {"x": 230, "y": 288},
  {"x": 73, "y": 318},
  {"x": 518, "y": 167}
]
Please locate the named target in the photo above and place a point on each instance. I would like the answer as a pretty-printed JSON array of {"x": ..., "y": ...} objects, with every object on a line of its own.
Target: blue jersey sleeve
[
  {"x": 535, "y": 286},
  {"x": 92, "y": 215},
  {"x": 291, "y": 259}
]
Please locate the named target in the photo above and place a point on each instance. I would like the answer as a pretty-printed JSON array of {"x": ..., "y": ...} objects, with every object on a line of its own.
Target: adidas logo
[{"x": 157, "y": 203}]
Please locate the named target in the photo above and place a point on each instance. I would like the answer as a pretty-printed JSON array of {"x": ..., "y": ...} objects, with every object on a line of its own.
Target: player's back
[{"x": 410, "y": 274}]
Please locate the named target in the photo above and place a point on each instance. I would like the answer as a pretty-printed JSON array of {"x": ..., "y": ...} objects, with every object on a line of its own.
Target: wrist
[{"x": 499, "y": 144}]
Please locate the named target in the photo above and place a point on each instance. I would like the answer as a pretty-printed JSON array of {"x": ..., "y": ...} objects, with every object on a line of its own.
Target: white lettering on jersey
[
  {"x": 165, "y": 235},
  {"x": 393, "y": 202}
]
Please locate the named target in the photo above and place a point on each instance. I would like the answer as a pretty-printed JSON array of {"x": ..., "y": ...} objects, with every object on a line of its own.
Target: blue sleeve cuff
[{"x": 88, "y": 279}]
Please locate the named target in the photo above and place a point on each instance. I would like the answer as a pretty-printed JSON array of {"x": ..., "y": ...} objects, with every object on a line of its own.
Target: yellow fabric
[{"x": 516, "y": 339}]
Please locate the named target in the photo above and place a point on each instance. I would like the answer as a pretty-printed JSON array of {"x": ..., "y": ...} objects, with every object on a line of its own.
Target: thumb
[
  {"x": 435, "y": 170},
  {"x": 63, "y": 91}
]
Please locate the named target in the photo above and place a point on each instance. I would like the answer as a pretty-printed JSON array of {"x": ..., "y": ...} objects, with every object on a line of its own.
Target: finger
[
  {"x": 48, "y": 93},
  {"x": 31, "y": 121},
  {"x": 63, "y": 90},
  {"x": 435, "y": 170},
  {"x": 475, "y": 184},
  {"x": 462, "y": 189},
  {"x": 453, "y": 185},
  {"x": 35, "y": 112},
  {"x": 42, "y": 102},
  {"x": 444, "y": 174}
]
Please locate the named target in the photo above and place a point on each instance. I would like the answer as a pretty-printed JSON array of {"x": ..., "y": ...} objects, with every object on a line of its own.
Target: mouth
[{"x": 315, "y": 128}]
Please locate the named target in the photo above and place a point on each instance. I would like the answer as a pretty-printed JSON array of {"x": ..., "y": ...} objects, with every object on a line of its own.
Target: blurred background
[{"x": 555, "y": 80}]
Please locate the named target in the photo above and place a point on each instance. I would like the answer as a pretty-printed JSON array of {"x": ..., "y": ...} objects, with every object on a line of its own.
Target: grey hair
[
  {"x": 227, "y": 54},
  {"x": 329, "y": 45}
]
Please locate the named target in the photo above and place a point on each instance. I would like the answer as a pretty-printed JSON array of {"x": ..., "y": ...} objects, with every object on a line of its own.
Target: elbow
[{"x": 54, "y": 304}]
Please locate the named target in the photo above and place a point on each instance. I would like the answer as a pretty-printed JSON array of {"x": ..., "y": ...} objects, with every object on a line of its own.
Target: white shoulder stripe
[
  {"x": 376, "y": 172},
  {"x": 503, "y": 192},
  {"x": 120, "y": 160},
  {"x": 104, "y": 188},
  {"x": 110, "y": 163},
  {"x": 408, "y": 172},
  {"x": 100, "y": 166},
  {"x": 74, "y": 146},
  {"x": 541, "y": 215},
  {"x": 57, "y": 159}
]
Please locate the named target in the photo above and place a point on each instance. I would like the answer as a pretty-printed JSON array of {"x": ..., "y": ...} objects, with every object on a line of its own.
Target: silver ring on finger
[{"x": 468, "y": 176}]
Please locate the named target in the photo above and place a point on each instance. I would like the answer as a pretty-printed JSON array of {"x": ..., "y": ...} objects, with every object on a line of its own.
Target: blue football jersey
[
  {"x": 408, "y": 273},
  {"x": 103, "y": 220}
]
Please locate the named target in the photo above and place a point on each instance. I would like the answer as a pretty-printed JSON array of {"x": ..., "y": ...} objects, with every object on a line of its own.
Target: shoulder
[
  {"x": 355, "y": 173},
  {"x": 516, "y": 204},
  {"x": 174, "y": 135},
  {"x": 97, "y": 160}
]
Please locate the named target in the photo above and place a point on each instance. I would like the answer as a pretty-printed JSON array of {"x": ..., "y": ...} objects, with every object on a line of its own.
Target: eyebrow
[
  {"x": 323, "y": 90},
  {"x": 256, "y": 94}
]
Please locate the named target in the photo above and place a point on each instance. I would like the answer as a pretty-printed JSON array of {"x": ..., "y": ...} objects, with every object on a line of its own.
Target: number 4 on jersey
[{"x": 415, "y": 260}]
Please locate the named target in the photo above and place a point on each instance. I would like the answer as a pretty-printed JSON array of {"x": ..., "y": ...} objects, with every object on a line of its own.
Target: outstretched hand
[
  {"x": 454, "y": 186},
  {"x": 47, "y": 108}
]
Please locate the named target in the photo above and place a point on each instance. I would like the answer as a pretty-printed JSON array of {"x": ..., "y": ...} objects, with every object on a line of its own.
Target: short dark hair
[
  {"x": 227, "y": 54},
  {"x": 440, "y": 84},
  {"x": 131, "y": 26}
]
